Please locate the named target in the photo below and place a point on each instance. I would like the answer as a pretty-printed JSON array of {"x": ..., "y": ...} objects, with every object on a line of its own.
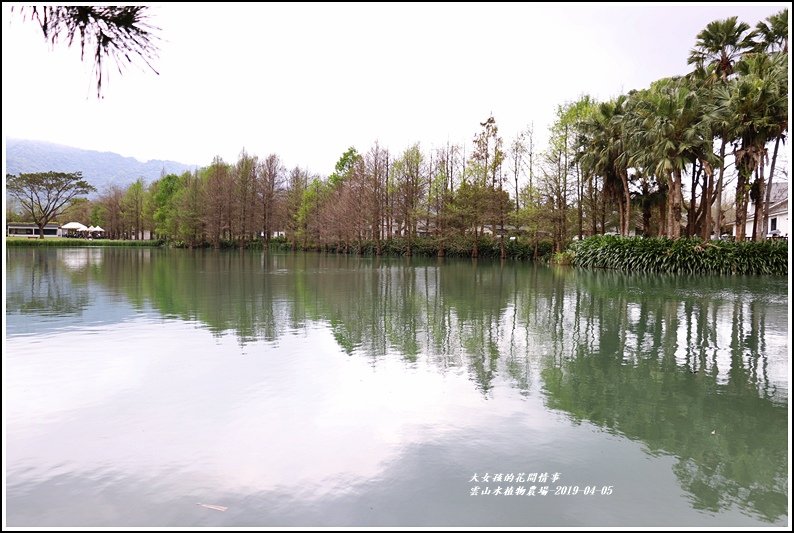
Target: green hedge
[{"x": 685, "y": 255}]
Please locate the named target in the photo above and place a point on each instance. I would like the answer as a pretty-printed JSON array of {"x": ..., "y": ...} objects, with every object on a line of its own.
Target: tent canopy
[
  {"x": 97, "y": 228},
  {"x": 74, "y": 225}
]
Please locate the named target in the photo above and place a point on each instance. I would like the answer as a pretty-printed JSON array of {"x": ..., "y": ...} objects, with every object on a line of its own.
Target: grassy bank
[
  {"x": 459, "y": 246},
  {"x": 632, "y": 254},
  {"x": 688, "y": 255},
  {"x": 64, "y": 242}
]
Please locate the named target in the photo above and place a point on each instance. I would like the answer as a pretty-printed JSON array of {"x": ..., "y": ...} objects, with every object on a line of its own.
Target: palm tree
[
  {"x": 717, "y": 49},
  {"x": 755, "y": 100},
  {"x": 605, "y": 154},
  {"x": 674, "y": 133},
  {"x": 640, "y": 159},
  {"x": 772, "y": 35},
  {"x": 720, "y": 45},
  {"x": 711, "y": 120}
]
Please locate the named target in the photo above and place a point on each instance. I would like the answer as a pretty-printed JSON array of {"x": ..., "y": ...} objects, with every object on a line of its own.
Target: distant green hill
[{"x": 100, "y": 169}]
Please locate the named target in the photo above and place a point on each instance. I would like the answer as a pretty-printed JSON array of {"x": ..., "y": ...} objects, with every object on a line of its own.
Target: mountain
[{"x": 100, "y": 169}]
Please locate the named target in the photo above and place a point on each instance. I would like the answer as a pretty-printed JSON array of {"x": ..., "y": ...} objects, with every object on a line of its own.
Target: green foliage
[
  {"x": 720, "y": 45},
  {"x": 309, "y": 202},
  {"x": 772, "y": 34},
  {"x": 132, "y": 205},
  {"x": 165, "y": 196},
  {"x": 679, "y": 256},
  {"x": 12, "y": 215},
  {"x": 79, "y": 209},
  {"x": 562, "y": 258},
  {"x": 475, "y": 204},
  {"x": 344, "y": 166},
  {"x": 453, "y": 246}
]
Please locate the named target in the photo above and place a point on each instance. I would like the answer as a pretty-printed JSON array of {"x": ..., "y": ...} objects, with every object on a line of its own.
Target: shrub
[{"x": 685, "y": 255}]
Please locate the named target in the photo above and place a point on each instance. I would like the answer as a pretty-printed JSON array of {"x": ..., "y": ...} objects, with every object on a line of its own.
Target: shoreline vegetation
[
  {"x": 680, "y": 256},
  {"x": 627, "y": 254},
  {"x": 63, "y": 242},
  {"x": 657, "y": 161}
]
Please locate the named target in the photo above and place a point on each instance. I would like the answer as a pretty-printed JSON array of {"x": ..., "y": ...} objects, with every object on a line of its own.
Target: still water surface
[{"x": 324, "y": 390}]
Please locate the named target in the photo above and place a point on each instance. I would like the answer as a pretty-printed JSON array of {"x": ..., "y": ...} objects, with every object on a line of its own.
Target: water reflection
[
  {"x": 36, "y": 286},
  {"x": 694, "y": 369},
  {"x": 678, "y": 364}
]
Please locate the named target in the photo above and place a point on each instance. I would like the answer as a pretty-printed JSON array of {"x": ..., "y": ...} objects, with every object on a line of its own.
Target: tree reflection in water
[{"x": 691, "y": 367}]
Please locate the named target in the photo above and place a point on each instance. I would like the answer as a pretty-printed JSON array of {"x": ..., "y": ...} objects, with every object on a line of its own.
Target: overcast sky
[{"x": 307, "y": 81}]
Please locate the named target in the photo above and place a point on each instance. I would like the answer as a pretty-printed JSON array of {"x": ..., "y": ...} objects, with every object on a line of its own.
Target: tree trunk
[
  {"x": 593, "y": 205},
  {"x": 408, "y": 231},
  {"x": 516, "y": 179},
  {"x": 741, "y": 200},
  {"x": 646, "y": 207},
  {"x": 674, "y": 222},
  {"x": 759, "y": 231},
  {"x": 718, "y": 191},
  {"x": 690, "y": 213},
  {"x": 767, "y": 196},
  {"x": 705, "y": 201},
  {"x": 580, "y": 191},
  {"x": 604, "y": 214},
  {"x": 627, "y": 201}
]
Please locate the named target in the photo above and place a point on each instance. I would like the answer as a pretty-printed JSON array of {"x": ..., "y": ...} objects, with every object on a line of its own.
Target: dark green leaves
[{"x": 682, "y": 256}]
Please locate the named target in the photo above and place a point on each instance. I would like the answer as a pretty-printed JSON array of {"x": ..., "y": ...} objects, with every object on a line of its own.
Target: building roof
[
  {"x": 779, "y": 192},
  {"x": 780, "y": 208},
  {"x": 31, "y": 224},
  {"x": 778, "y": 201}
]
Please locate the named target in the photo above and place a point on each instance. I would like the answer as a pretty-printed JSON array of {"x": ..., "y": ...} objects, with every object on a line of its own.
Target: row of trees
[
  {"x": 713, "y": 125},
  {"x": 643, "y": 144},
  {"x": 605, "y": 163}
]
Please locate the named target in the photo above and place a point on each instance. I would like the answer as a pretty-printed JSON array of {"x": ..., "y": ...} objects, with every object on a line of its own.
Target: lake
[{"x": 154, "y": 387}]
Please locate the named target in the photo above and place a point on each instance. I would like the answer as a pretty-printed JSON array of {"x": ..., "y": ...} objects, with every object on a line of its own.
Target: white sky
[{"x": 307, "y": 81}]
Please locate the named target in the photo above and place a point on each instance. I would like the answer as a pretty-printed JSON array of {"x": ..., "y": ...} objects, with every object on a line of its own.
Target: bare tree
[
  {"x": 244, "y": 198},
  {"x": 112, "y": 213},
  {"x": 269, "y": 178},
  {"x": 376, "y": 164},
  {"x": 298, "y": 182},
  {"x": 408, "y": 173},
  {"x": 217, "y": 181}
]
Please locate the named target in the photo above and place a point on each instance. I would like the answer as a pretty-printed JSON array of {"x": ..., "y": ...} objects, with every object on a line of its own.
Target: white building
[{"x": 29, "y": 229}]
